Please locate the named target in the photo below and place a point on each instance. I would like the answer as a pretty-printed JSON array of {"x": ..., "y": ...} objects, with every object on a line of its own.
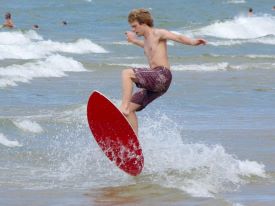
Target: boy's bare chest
[{"x": 150, "y": 45}]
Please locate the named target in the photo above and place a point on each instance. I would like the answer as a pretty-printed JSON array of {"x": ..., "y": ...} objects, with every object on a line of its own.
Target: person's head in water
[
  {"x": 64, "y": 23},
  {"x": 8, "y": 22},
  {"x": 250, "y": 12},
  {"x": 140, "y": 18},
  {"x": 35, "y": 26},
  {"x": 8, "y": 15},
  {"x": 273, "y": 8}
]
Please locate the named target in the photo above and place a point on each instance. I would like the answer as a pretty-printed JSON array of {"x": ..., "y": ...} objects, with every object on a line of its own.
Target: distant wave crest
[
  {"x": 30, "y": 45},
  {"x": 239, "y": 30},
  {"x": 52, "y": 66},
  {"x": 8, "y": 143}
]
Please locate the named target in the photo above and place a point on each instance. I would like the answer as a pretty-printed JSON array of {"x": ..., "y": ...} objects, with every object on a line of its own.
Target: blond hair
[{"x": 142, "y": 16}]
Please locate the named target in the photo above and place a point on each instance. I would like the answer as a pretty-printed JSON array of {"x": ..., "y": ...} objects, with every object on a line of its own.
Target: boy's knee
[
  {"x": 124, "y": 72},
  {"x": 128, "y": 73},
  {"x": 134, "y": 107}
]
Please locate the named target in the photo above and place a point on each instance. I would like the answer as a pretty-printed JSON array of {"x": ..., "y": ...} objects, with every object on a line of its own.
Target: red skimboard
[{"x": 114, "y": 134}]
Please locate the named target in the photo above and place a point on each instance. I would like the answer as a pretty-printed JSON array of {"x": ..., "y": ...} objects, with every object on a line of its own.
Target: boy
[{"x": 154, "y": 81}]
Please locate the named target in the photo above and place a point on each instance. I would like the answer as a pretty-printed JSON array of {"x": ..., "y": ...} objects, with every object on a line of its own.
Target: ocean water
[{"x": 210, "y": 140}]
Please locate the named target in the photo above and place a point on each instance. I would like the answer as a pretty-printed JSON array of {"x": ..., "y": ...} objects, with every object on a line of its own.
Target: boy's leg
[
  {"x": 132, "y": 117},
  {"x": 128, "y": 108},
  {"x": 128, "y": 77}
]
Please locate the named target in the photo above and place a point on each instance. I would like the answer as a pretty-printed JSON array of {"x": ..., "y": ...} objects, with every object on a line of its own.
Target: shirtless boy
[{"x": 155, "y": 80}]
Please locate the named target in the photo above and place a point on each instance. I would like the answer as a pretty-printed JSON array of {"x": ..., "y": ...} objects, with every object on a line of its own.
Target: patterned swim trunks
[{"x": 154, "y": 83}]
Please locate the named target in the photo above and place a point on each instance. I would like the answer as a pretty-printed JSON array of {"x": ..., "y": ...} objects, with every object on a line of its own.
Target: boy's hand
[
  {"x": 131, "y": 36},
  {"x": 199, "y": 42}
]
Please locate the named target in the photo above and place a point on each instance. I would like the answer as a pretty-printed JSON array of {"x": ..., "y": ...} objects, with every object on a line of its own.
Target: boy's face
[{"x": 137, "y": 28}]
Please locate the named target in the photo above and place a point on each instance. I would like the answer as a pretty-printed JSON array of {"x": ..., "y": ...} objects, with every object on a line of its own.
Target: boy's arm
[
  {"x": 180, "y": 38},
  {"x": 132, "y": 38}
]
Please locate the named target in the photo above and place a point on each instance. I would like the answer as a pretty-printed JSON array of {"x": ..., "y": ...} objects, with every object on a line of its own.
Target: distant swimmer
[
  {"x": 155, "y": 80},
  {"x": 273, "y": 8},
  {"x": 8, "y": 21},
  {"x": 64, "y": 23},
  {"x": 250, "y": 12},
  {"x": 35, "y": 26}
]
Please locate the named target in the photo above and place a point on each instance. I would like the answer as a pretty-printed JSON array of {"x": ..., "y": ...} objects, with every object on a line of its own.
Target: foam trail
[
  {"x": 53, "y": 66},
  {"x": 29, "y": 126},
  {"x": 6, "y": 142}
]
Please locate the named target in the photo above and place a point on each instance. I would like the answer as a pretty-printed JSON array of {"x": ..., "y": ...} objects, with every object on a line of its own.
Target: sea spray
[{"x": 198, "y": 169}]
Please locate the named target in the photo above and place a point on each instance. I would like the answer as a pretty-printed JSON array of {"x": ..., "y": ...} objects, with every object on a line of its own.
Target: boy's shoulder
[{"x": 160, "y": 31}]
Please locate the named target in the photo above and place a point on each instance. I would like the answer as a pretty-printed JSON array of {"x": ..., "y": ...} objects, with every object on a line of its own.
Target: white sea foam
[
  {"x": 264, "y": 40},
  {"x": 241, "y": 27},
  {"x": 254, "y": 56},
  {"x": 208, "y": 67},
  {"x": 30, "y": 45},
  {"x": 198, "y": 169},
  {"x": 81, "y": 46},
  {"x": 236, "y": 1},
  {"x": 6, "y": 142},
  {"x": 251, "y": 56},
  {"x": 171, "y": 43},
  {"x": 248, "y": 66},
  {"x": 239, "y": 30},
  {"x": 53, "y": 66},
  {"x": 19, "y": 38},
  {"x": 131, "y": 65},
  {"x": 76, "y": 114},
  {"x": 237, "y": 204},
  {"x": 202, "y": 67},
  {"x": 122, "y": 43},
  {"x": 28, "y": 126},
  {"x": 33, "y": 35}
]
